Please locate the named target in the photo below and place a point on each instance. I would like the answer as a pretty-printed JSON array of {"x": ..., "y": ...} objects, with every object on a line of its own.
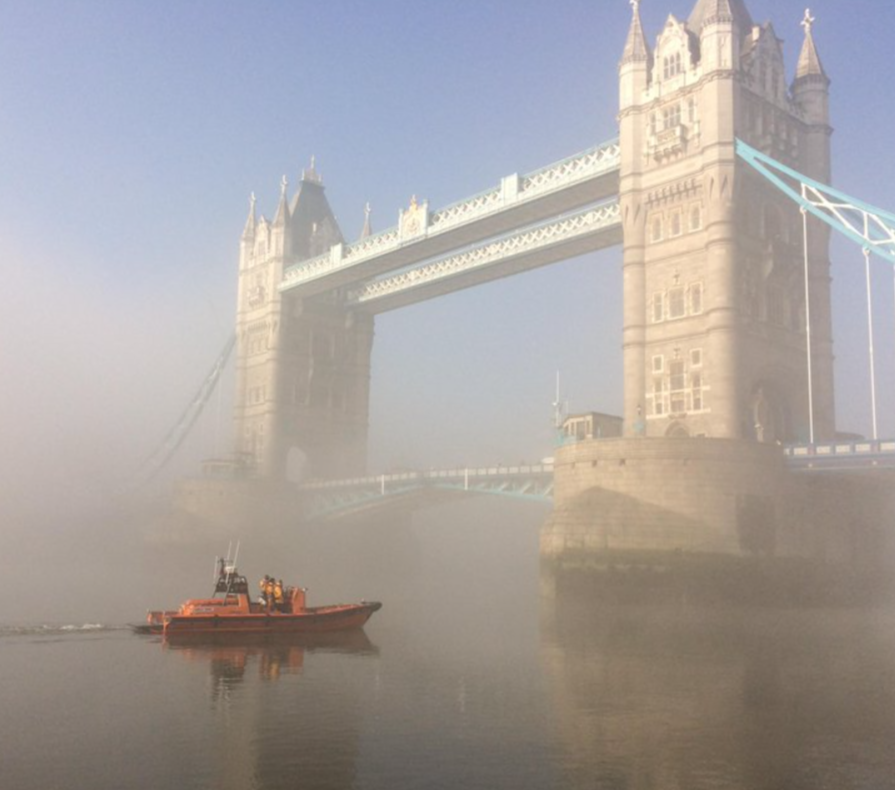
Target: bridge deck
[
  {"x": 580, "y": 180},
  {"x": 852, "y": 456},
  {"x": 534, "y": 482},
  {"x": 594, "y": 229}
]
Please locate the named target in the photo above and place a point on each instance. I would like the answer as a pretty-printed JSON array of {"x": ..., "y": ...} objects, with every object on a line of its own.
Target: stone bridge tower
[
  {"x": 303, "y": 367},
  {"x": 714, "y": 285}
]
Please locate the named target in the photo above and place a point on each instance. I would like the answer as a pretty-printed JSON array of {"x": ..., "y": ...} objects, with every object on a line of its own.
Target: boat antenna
[
  {"x": 231, "y": 568},
  {"x": 558, "y": 406}
]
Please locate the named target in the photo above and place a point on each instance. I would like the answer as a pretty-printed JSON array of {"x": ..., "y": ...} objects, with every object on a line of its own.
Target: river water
[{"x": 463, "y": 680}]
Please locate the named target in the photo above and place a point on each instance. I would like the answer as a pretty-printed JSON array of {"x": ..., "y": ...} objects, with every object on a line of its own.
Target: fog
[
  {"x": 97, "y": 381},
  {"x": 136, "y": 139}
]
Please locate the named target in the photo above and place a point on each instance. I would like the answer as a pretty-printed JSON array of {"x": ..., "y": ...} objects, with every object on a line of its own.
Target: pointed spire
[
  {"x": 283, "y": 208},
  {"x": 248, "y": 232},
  {"x": 311, "y": 174},
  {"x": 809, "y": 61},
  {"x": 707, "y": 11},
  {"x": 367, "y": 229},
  {"x": 636, "y": 48}
]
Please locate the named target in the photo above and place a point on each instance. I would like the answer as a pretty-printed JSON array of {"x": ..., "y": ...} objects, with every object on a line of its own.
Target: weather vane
[
  {"x": 807, "y": 21},
  {"x": 635, "y": 4}
]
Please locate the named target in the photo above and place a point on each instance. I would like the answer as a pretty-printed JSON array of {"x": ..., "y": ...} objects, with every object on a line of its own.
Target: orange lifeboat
[{"x": 232, "y": 611}]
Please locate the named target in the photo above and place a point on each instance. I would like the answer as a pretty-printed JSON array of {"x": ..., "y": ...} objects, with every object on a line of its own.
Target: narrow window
[
  {"x": 695, "y": 357},
  {"x": 696, "y": 387},
  {"x": 657, "y": 229},
  {"x": 658, "y": 363},
  {"x": 658, "y": 314},
  {"x": 676, "y": 386},
  {"x": 696, "y": 217},
  {"x": 658, "y": 398},
  {"x": 676, "y": 303},
  {"x": 696, "y": 298},
  {"x": 671, "y": 116},
  {"x": 672, "y": 65},
  {"x": 675, "y": 224}
]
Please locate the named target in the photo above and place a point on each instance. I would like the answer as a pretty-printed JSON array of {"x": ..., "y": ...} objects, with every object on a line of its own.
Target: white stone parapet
[
  {"x": 513, "y": 191},
  {"x": 545, "y": 235}
]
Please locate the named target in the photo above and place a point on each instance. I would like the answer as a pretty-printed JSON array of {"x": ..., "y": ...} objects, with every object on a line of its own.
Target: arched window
[
  {"x": 696, "y": 217},
  {"x": 671, "y": 116},
  {"x": 672, "y": 65},
  {"x": 676, "y": 229}
]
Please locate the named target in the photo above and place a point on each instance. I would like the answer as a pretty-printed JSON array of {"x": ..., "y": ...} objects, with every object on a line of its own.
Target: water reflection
[
  {"x": 674, "y": 696},
  {"x": 288, "y": 708},
  {"x": 229, "y": 656}
]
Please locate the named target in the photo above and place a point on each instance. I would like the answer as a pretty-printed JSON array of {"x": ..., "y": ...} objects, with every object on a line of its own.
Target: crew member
[
  {"x": 264, "y": 584},
  {"x": 278, "y": 594}
]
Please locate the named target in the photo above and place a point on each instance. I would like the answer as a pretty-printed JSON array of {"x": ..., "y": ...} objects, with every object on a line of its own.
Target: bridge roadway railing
[
  {"x": 328, "y": 498},
  {"x": 589, "y": 230},
  {"x": 574, "y": 182},
  {"x": 850, "y": 455}
]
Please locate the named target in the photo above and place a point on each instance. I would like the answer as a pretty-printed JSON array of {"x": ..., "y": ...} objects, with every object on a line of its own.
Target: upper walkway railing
[
  {"x": 517, "y": 201},
  {"x": 594, "y": 228},
  {"x": 856, "y": 454}
]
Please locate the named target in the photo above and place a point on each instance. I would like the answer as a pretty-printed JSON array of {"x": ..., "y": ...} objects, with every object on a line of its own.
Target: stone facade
[
  {"x": 714, "y": 286},
  {"x": 303, "y": 367},
  {"x": 715, "y": 340},
  {"x": 658, "y": 495},
  {"x": 709, "y": 496}
]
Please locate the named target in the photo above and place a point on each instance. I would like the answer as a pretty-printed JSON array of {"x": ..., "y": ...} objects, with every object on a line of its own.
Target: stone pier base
[{"x": 693, "y": 515}]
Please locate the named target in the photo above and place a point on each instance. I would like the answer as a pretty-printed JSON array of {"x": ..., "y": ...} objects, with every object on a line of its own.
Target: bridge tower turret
[
  {"x": 714, "y": 336},
  {"x": 811, "y": 94},
  {"x": 635, "y": 71},
  {"x": 303, "y": 367}
]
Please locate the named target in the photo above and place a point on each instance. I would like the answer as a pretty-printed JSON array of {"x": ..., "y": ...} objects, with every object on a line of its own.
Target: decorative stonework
[
  {"x": 416, "y": 223},
  {"x": 590, "y": 221},
  {"x": 413, "y": 220}
]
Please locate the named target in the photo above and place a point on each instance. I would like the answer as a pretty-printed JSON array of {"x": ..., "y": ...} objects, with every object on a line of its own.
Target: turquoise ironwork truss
[
  {"x": 871, "y": 227},
  {"x": 332, "y": 499}
]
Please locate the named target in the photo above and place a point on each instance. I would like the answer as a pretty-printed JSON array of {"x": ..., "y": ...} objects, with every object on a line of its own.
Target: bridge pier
[{"x": 716, "y": 516}]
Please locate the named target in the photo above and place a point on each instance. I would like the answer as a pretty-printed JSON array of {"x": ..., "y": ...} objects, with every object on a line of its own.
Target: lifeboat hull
[{"x": 313, "y": 620}]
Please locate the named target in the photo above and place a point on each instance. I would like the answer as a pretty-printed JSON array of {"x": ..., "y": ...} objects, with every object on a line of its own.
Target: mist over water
[
  {"x": 467, "y": 677},
  {"x": 118, "y": 245}
]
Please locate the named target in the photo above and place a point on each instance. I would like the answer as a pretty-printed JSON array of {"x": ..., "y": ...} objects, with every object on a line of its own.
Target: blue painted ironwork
[
  {"x": 871, "y": 227},
  {"x": 853, "y": 455},
  {"x": 326, "y": 499},
  {"x": 334, "y": 499}
]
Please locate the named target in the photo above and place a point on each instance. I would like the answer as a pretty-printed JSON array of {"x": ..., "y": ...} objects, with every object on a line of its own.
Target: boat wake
[{"x": 56, "y": 630}]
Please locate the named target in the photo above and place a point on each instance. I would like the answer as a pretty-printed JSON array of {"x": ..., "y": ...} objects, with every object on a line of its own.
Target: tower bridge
[
  {"x": 518, "y": 201},
  {"x": 716, "y": 191}
]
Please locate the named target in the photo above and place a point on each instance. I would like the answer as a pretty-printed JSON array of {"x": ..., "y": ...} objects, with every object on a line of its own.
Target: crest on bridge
[{"x": 414, "y": 219}]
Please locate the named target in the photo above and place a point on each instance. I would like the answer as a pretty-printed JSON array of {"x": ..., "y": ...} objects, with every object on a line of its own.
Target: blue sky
[{"x": 132, "y": 133}]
